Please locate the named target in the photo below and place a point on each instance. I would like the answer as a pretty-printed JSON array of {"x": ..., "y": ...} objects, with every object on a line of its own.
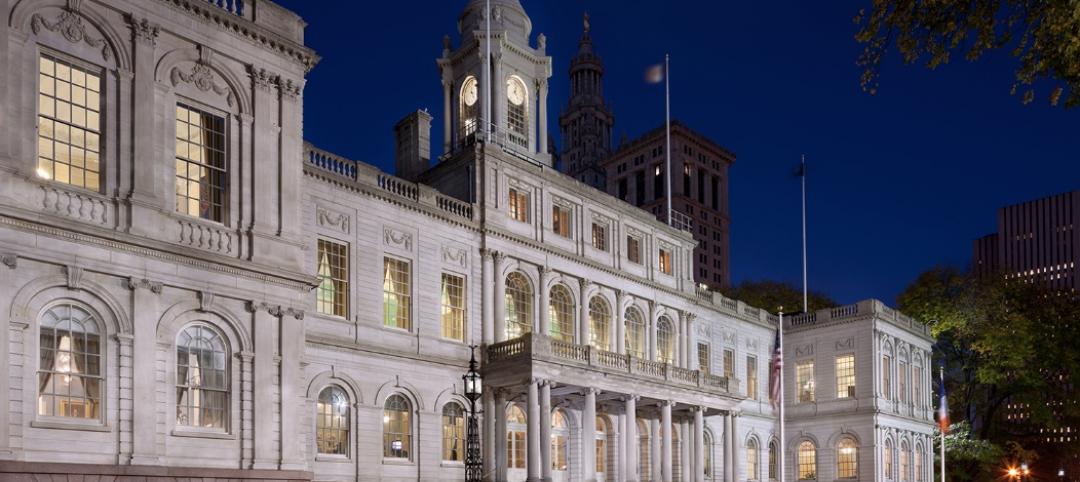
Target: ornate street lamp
[{"x": 474, "y": 462}]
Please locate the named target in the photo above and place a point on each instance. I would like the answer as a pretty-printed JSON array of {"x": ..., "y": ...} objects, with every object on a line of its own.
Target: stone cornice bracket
[
  {"x": 262, "y": 78},
  {"x": 590, "y": 390},
  {"x": 690, "y": 317},
  {"x": 134, "y": 283},
  {"x": 545, "y": 272},
  {"x": 10, "y": 260},
  {"x": 295, "y": 313},
  {"x": 143, "y": 30},
  {"x": 256, "y": 306},
  {"x": 70, "y": 25},
  {"x": 206, "y": 301},
  {"x": 74, "y": 276},
  {"x": 289, "y": 88}
]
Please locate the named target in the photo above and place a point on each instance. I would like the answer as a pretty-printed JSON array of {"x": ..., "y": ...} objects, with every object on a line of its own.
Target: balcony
[{"x": 533, "y": 355}]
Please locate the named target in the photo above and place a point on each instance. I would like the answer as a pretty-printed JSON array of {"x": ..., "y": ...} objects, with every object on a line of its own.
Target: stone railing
[
  {"x": 368, "y": 177},
  {"x": 235, "y": 7},
  {"x": 532, "y": 346},
  {"x": 863, "y": 309},
  {"x": 76, "y": 204},
  {"x": 202, "y": 235}
]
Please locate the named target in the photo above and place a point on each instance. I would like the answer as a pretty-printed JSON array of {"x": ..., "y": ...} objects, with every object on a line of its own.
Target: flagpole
[
  {"x": 783, "y": 458},
  {"x": 487, "y": 72},
  {"x": 667, "y": 136},
  {"x": 941, "y": 372},
  {"x": 802, "y": 170}
]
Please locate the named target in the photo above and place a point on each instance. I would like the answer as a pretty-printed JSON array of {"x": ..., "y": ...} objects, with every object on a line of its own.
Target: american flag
[
  {"x": 943, "y": 406},
  {"x": 776, "y": 374}
]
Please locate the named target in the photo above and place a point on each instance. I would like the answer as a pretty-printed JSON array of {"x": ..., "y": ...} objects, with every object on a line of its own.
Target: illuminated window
[
  {"x": 916, "y": 385},
  {"x": 453, "y": 429},
  {"x": 804, "y": 380},
  {"x": 665, "y": 341},
  {"x": 559, "y": 435},
  {"x": 635, "y": 333},
  {"x": 70, "y": 381},
  {"x": 665, "y": 261},
  {"x": 453, "y": 307},
  {"x": 704, "y": 358},
  {"x": 752, "y": 460},
  {"x": 806, "y": 462},
  {"x": 69, "y": 123},
  {"x": 397, "y": 293},
  {"x": 888, "y": 458},
  {"x": 886, "y": 369},
  {"x": 332, "y": 421},
  {"x": 560, "y": 220},
  {"x": 561, "y": 313},
  {"x": 918, "y": 463},
  {"x": 905, "y": 462},
  {"x": 397, "y": 427},
  {"x": 729, "y": 363},
  {"x": 901, "y": 378},
  {"x": 751, "y": 378},
  {"x": 601, "y": 444},
  {"x": 633, "y": 249},
  {"x": 519, "y": 309},
  {"x": 599, "y": 236},
  {"x": 332, "y": 295},
  {"x": 202, "y": 378},
  {"x": 519, "y": 205},
  {"x": 469, "y": 106},
  {"x": 515, "y": 438},
  {"x": 200, "y": 163},
  {"x": 845, "y": 376},
  {"x": 599, "y": 323},
  {"x": 847, "y": 458},
  {"x": 774, "y": 472}
]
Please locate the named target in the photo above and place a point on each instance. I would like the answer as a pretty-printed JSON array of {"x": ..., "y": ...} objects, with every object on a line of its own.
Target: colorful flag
[
  {"x": 655, "y": 74},
  {"x": 943, "y": 407},
  {"x": 776, "y": 379}
]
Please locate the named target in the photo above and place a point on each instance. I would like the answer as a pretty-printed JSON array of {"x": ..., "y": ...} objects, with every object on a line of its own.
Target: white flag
[{"x": 655, "y": 74}]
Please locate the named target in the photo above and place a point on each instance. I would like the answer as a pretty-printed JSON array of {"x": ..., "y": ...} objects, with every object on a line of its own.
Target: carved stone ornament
[
  {"x": 202, "y": 78},
  {"x": 256, "y": 306},
  {"x": 144, "y": 30},
  {"x": 332, "y": 219},
  {"x": 804, "y": 350},
  {"x": 144, "y": 284},
  {"x": 398, "y": 239},
  {"x": 752, "y": 344},
  {"x": 455, "y": 256},
  {"x": 729, "y": 337},
  {"x": 288, "y": 88},
  {"x": 10, "y": 260},
  {"x": 262, "y": 78},
  {"x": 74, "y": 276},
  {"x": 845, "y": 344},
  {"x": 70, "y": 25},
  {"x": 206, "y": 300}
]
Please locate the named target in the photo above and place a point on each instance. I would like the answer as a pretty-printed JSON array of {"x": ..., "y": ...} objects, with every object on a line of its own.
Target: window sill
[
  {"x": 452, "y": 465},
  {"x": 396, "y": 461},
  {"x": 332, "y": 458},
  {"x": 195, "y": 433},
  {"x": 88, "y": 426}
]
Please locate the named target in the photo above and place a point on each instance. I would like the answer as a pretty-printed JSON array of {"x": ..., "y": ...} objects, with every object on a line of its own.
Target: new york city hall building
[{"x": 191, "y": 292}]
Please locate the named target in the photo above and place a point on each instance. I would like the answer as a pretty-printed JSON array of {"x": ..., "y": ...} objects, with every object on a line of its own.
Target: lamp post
[{"x": 474, "y": 462}]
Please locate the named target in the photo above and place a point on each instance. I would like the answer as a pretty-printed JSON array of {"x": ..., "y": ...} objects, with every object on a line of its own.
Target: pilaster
[
  {"x": 265, "y": 142},
  {"x": 545, "y": 302},
  {"x": 146, "y": 187},
  {"x": 8, "y": 284},
  {"x": 488, "y": 295},
  {"x": 265, "y": 319},
  {"x": 583, "y": 311},
  {"x": 500, "y": 297},
  {"x": 588, "y": 435},
  {"x": 146, "y": 309}
]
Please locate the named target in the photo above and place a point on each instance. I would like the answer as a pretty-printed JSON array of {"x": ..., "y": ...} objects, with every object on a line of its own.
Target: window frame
[
  {"x": 229, "y": 390},
  {"x": 102, "y": 73},
  {"x": 665, "y": 261},
  {"x": 346, "y": 281},
  {"x": 347, "y": 427},
  {"x": 562, "y": 311},
  {"x": 752, "y": 389},
  {"x": 90, "y": 423},
  {"x": 409, "y": 422},
  {"x": 800, "y": 462},
  {"x": 455, "y": 436},
  {"x": 799, "y": 381},
  {"x": 528, "y": 294},
  {"x": 408, "y": 295},
  {"x": 599, "y": 235},
  {"x": 850, "y": 373},
  {"x": 633, "y": 251},
  {"x": 665, "y": 343},
  {"x": 226, "y": 170},
  {"x": 518, "y": 201},
  {"x": 562, "y": 221},
  {"x": 463, "y": 309},
  {"x": 852, "y": 463}
]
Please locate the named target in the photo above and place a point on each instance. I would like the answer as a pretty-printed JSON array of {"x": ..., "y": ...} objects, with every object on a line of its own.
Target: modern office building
[{"x": 191, "y": 292}]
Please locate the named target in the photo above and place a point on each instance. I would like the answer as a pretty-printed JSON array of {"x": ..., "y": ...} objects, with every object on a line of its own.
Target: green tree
[
  {"x": 769, "y": 295},
  {"x": 1044, "y": 36}
]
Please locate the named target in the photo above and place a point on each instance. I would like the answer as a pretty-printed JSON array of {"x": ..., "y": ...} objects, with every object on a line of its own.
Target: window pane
[
  {"x": 332, "y": 295},
  {"x": 205, "y": 173},
  {"x": 453, "y": 307},
  {"x": 397, "y": 293},
  {"x": 64, "y": 114},
  {"x": 519, "y": 305},
  {"x": 201, "y": 378},
  {"x": 69, "y": 373}
]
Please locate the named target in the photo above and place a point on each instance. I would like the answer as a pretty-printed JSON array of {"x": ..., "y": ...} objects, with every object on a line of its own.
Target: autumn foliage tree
[{"x": 770, "y": 295}]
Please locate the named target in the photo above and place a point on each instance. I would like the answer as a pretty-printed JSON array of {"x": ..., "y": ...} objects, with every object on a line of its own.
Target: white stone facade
[{"x": 143, "y": 340}]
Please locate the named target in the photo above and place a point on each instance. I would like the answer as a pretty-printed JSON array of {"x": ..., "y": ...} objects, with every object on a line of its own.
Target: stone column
[
  {"x": 292, "y": 349},
  {"x": 735, "y": 445},
  {"x": 545, "y": 301},
  {"x": 699, "y": 444},
  {"x": 630, "y": 464},
  {"x": 685, "y": 458},
  {"x": 545, "y": 430},
  {"x": 500, "y": 435},
  {"x": 691, "y": 342},
  {"x": 618, "y": 468},
  {"x": 487, "y": 290},
  {"x": 532, "y": 459},
  {"x": 654, "y": 450},
  {"x": 9, "y": 280},
  {"x": 145, "y": 312},
  {"x": 588, "y": 436},
  {"x": 490, "y": 435},
  {"x": 500, "y": 296},
  {"x": 665, "y": 451},
  {"x": 498, "y": 96},
  {"x": 448, "y": 115},
  {"x": 615, "y": 332},
  {"x": 619, "y": 313},
  {"x": 729, "y": 449},
  {"x": 543, "y": 88},
  {"x": 583, "y": 311},
  {"x": 265, "y": 325}
]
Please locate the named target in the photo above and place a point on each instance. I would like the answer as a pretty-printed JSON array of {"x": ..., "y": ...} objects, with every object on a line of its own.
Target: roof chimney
[{"x": 412, "y": 152}]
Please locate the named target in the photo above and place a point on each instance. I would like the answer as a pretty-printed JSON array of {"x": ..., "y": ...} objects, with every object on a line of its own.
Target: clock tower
[{"x": 516, "y": 84}]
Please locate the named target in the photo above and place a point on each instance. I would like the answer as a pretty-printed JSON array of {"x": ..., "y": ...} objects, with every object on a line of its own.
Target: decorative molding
[
  {"x": 752, "y": 344},
  {"x": 519, "y": 184},
  {"x": 804, "y": 350},
  {"x": 729, "y": 336},
  {"x": 398, "y": 239},
  {"x": 262, "y": 78},
  {"x": 143, "y": 30},
  {"x": 289, "y": 88},
  {"x": 10, "y": 260},
  {"x": 74, "y": 276},
  {"x": 455, "y": 256},
  {"x": 70, "y": 25},
  {"x": 202, "y": 77},
  {"x": 295, "y": 313},
  {"x": 498, "y": 257},
  {"x": 845, "y": 343},
  {"x": 600, "y": 218},
  {"x": 206, "y": 300},
  {"x": 332, "y": 219},
  {"x": 133, "y": 283},
  {"x": 584, "y": 284}
]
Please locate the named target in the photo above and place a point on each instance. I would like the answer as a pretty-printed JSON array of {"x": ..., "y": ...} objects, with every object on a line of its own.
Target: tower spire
[{"x": 587, "y": 122}]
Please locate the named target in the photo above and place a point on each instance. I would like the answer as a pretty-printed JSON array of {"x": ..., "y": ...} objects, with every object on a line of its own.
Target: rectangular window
[
  {"x": 519, "y": 205},
  {"x": 729, "y": 363},
  {"x": 69, "y": 124},
  {"x": 639, "y": 188},
  {"x": 658, "y": 182},
  {"x": 332, "y": 296},
  {"x": 804, "y": 380},
  {"x": 902, "y": 381},
  {"x": 453, "y": 307},
  {"x": 623, "y": 189},
  {"x": 560, "y": 221},
  {"x": 845, "y": 376},
  {"x": 716, "y": 193},
  {"x": 200, "y": 163},
  {"x": 633, "y": 249},
  {"x": 751, "y": 378},
  {"x": 916, "y": 385},
  {"x": 686, "y": 180},
  {"x": 704, "y": 358},
  {"x": 886, "y": 377},
  {"x": 397, "y": 293},
  {"x": 599, "y": 236},
  {"x": 665, "y": 261},
  {"x": 701, "y": 187}
]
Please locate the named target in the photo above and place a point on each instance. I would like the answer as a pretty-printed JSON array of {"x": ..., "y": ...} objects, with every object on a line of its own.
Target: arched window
[
  {"x": 635, "y": 333},
  {"x": 517, "y": 111},
  {"x": 599, "y": 326},
  {"x": 905, "y": 461},
  {"x": 560, "y": 433},
  {"x": 708, "y": 455},
  {"x": 806, "y": 463},
  {"x": 888, "y": 458},
  {"x": 515, "y": 437},
  {"x": 918, "y": 462},
  {"x": 453, "y": 430},
  {"x": 665, "y": 340},
  {"x": 468, "y": 109},
  {"x": 774, "y": 471},
  {"x": 916, "y": 382},
  {"x": 397, "y": 427},
  {"x": 70, "y": 381},
  {"x": 202, "y": 378},
  {"x": 847, "y": 453},
  {"x": 519, "y": 305},
  {"x": 601, "y": 445},
  {"x": 752, "y": 460},
  {"x": 332, "y": 421},
  {"x": 561, "y": 312},
  {"x": 643, "y": 450}
]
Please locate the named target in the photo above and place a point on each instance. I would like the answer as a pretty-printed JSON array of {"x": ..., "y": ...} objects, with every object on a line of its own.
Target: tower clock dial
[
  {"x": 469, "y": 94},
  {"x": 515, "y": 92}
]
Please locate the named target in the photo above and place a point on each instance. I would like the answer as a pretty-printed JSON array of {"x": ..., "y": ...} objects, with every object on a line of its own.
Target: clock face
[
  {"x": 515, "y": 92},
  {"x": 469, "y": 93}
]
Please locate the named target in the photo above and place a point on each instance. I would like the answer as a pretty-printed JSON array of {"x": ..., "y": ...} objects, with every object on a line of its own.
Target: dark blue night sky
[{"x": 898, "y": 182}]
